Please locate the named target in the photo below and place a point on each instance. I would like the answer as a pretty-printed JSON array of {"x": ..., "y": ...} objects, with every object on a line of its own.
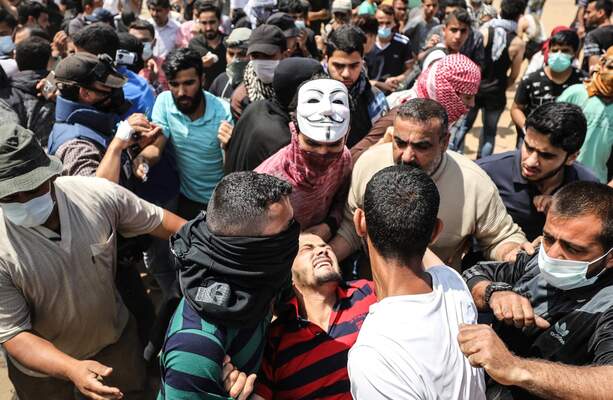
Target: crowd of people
[{"x": 268, "y": 199}]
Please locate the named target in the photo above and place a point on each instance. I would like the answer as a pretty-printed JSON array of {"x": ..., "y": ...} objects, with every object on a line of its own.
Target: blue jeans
[{"x": 487, "y": 138}]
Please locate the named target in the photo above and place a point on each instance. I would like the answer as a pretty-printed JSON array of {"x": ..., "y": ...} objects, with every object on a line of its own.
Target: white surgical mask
[
  {"x": 29, "y": 214},
  {"x": 147, "y": 51},
  {"x": 567, "y": 274},
  {"x": 323, "y": 110},
  {"x": 265, "y": 69}
]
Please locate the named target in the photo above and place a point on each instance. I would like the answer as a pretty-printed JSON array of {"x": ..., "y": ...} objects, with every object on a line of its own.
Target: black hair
[
  {"x": 581, "y": 198},
  {"x": 142, "y": 25},
  {"x": 423, "y": 110},
  {"x": 565, "y": 38},
  {"x": 180, "y": 60},
  {"x": 294, "y": 7},
  {"x": 7, "y": 18},
  {"x": 208, "y": 7},
  {"x": 461, "y": 15},
  {"x": 33, "y": 54},
  {"x": 453, "y": 3},
  {"x": 564, "y": 123},
  {"x": 367, "y": 23},
  {"x": 346, "y": 38},
  {"x": 401, "y": 206},
  {"x": 605, "y": 5},
  {"x": 512, "y": 9},
  {"x": 87, "y": 3},
  {"x": 158, "y": 3},
  {"x": 240, "y": 203},
  {"x": 131, "y": 43},
  {"x": 387, "y": 10},
  {"x": 30, "y": 9},
  {"x": 98, "y": 38}
]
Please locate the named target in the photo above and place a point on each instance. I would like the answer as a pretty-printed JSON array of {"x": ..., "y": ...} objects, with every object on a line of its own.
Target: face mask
[
  {"x": 319, "y": 162},
  {"x": 147, "y": 51},
  {"x": 32, "y": 213},
  {"x": 235, "y": 71},
  {"x": 384, "y": 33},
  {"x": 559, "y": 62},
  {"x": 114, "y": 103},
  {"x": 323, "y": 110},
  {"x": 6, "y": 45},
  {"x": 300, "y": 25},
  {"x": 567, "y": 274},
  {"x": 265, "y": 69}
]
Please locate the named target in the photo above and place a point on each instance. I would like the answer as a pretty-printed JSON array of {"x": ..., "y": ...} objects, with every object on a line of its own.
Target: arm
[
  {"x": 171, "y": 223},
  {"x": 581, "y": 21},
  {"x": 517, "y": 115},
  {"x": 11, "y": 9},
  {"x": 516, "y": 53},
  {"x": 318, "y": 15}
]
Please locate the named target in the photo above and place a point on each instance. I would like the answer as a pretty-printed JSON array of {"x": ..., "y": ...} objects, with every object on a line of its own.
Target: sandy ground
[{"x": 556, "y": 12}]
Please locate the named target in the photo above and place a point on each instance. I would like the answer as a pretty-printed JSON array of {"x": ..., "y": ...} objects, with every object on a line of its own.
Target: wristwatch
[{"x": 495, "y": 287}]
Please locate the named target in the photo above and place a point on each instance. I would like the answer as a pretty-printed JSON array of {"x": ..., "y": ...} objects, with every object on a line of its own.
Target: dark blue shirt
[{"x": 517, "y": 193}]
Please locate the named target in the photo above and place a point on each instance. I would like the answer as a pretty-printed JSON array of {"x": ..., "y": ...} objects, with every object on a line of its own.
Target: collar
[
  {"x": 206, "y": 117},
  {"x": 440, "y": 170},
  {"x": 383, "y": 46},
  {"x": 72, "y": 112},
  {"x": 292, "y": 311}
]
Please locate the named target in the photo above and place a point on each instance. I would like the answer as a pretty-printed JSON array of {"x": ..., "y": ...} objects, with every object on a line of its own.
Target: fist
[
  {"x": 515, "y": 310},
  {"x": 224, "y": 133}
]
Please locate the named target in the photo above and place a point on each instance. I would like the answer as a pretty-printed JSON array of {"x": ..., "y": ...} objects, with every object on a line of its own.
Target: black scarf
[{"x": 231, "y": 281}]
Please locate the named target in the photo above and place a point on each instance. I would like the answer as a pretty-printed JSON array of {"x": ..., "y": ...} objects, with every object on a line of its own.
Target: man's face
[
  {"x": 400, "y": 10},
  {"x": 540, "y": 159},
  {"x": 430, "y": 8},
  {"x": 455, "y": 33},
  {"x": 209, "y": 24},
  {"x": 345, "y": 67},
  {"x": 96, "y": 94},
  {"x": 186, "y": 90},
  {"x": 5, "y": 30},
  {"x": 419, "y": 143},
  {"x": 43, "y": 21},
  {"x": 385, "y": 21},
  {"x": 143, "y": 35},
  {"x": 261, "y": 56},
  {"x": 450, "y": 9},
  {"x": 315, "y": 264},
  {"x": 593, "y": 17},
  {"x": 236, "y": 54},
  {"x": 567, "y": 49},
  {"x": 159, "y": 15}
]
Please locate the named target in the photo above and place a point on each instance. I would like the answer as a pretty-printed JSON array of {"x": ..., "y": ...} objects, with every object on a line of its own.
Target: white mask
[
  {"x": 567, "y": 274},
  {"x": 265, "y": 69},
  {"x": 32, "y": 213},
  {"x": 147, "y": 50},
  {"x": 323, "y": 110}
]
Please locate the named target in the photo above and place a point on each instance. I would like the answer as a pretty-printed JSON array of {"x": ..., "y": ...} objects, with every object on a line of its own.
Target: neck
[
  {"x": 199, "y": 110},
  {"x": 53, "y": 222},
  {"x": 213, "y": 42},
  {"x": 316, "y": 304},
  {"x": 548, "y": 185},
  {"x": 558, "y": 77},
  {"x": 393, "y": 278},
  {"x": 384, "y": 41}
]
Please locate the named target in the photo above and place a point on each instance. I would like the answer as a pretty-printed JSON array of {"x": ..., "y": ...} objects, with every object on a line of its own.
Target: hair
[
  {"x": 387, "y": 10},
  {"x": 294, "y": 7},
  {"x": 564, "y": 123},
  {"x": 87, "y": 3},
  {"x": 207, "y": 7},
  {"x": 367, "y": 23},
  {"x": 587, "y": 198},
  {"x": 605, "y": 5},
  {"x": 142, "y": 25},
  {"x": 33, "y": 54},
  {"x": 7, "y": 18},
  {"x": 240, "y": 203},
  {"x": 180, "y": 60},
  {"x": 30, "y": 9},
  {"x": 158, "y": 3},
  {"x": 423, "y": 110},
  {"x": 98, "y": 38},
  {"x": 346, "y": 38},
  {"x": 401, "y": 206},
  {"x": 512, "y": 9},
  {"x": 131, "y": 43},
  {"x": 461, "y": 15},
  {"x": 565, "y": 38},
  {"x": 453, "y": 3}
]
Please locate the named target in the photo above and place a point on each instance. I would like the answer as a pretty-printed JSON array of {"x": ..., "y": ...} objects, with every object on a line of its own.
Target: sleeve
[
  {"x": 340, "y": 198},
  {"x": 496, "y": 271},
  {"x": 79, "y": 158},
  {"x": 191, "y": 367},
  {"x": 14, "y": 311},
  {"x": 265, "y": 384},
  {"x": 408, "y": 52},
  {"x": 522, "y": 95},
  {"x": 601, "y": 342},
  {"x": 591, "y": 47},
  {"x": 374, "y": 135},
  {"x": 158, "y": 115},
  {"x": 135, "y": 215}
]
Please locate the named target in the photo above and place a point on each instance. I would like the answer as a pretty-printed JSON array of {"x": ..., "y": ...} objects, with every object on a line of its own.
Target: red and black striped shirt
[{"x": 301, "y": 361}]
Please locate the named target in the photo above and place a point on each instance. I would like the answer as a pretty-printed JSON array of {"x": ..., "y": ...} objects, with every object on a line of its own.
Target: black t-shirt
[
  {"x": 199, "y": 44},
  {"x": 537, "y": 89},
  {"x": 318, "y": 5},
  {"x": 596, "y": 43},
  {"x": 390, "y": 61}
]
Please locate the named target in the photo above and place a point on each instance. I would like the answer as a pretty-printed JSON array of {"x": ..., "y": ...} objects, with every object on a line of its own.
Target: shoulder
[
  {"x": 219, "y": 104},
  {"x": 87, "y": 188},
  {"x": 468, "y": 167},
  {"x": 584, "y": 173},
  {"x": 163, "y": 98},
  {"x": 496, "y": 161},
  {"x": 399, "y": 38},
  {"x": 372, "y": 160},
  {"x": 575, "y": 93}
]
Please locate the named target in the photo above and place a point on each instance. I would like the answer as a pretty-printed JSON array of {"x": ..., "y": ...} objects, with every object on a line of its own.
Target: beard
[
  {"x": 328, "y": 276},
  {"x": 188, "y": 105},
  {"x": 210, "y": 35},
  {"x": 429, "y": 169}
]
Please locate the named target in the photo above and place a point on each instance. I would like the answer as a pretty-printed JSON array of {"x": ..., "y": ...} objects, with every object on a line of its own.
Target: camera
[{"x": 125, "y": 57}]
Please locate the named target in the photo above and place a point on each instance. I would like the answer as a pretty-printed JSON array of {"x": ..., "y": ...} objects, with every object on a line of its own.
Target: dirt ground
[{"x": 555, "y": 12}]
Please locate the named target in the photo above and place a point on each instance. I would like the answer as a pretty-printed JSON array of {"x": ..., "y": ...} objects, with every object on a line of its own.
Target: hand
[
  {"x": 237, "y": 384},
  {"x": 433, "y": 41},
  {"x": 46, "y": 90},
  {"x": 144, "y": 130},
  {"x": 542, "y": 203},
  {"x": 484, "y": 349},
  {"x": 224, "y": 133},
  {"x": 515, "y": 309},
  {"x": 209, "y": 59},
  {"x": 140, "y": 168},
  {"x": 59, "y": 44},
  {"x": 87, "y": 377},
  {"x": 392, "y": 83},
  {"x": 322, "y": 230},
  {"x": 153, "y": 70},
  {"x": 511, "y": 250}
]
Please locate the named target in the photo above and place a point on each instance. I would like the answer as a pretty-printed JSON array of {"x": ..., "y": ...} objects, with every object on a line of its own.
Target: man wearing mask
[
  {"x": 8, "y": 23},
  {"x": 167, "y": 30},
  {"x": 210, "y": 42},
  {"x": 316, "y": 162},
  {"x": 267, "y": 46},
  {"x": 152, "y": 71},
  {"x": 236, "y": 61},
  {"x": 63, "y": 323},
  {"x": 551, "y": 336}
]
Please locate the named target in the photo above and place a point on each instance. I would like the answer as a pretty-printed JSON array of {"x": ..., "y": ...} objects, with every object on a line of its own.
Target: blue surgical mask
[
  {"x": 300, "y": 24},
  {"x": 559, "y": 62},
  {"x": 29, "y": 214},
  {"x": 6, "y": 45},
  {"x": 567, "y": 274},
  {"x": 384, "y": 33},
  {"x": 147, "y": 51}
]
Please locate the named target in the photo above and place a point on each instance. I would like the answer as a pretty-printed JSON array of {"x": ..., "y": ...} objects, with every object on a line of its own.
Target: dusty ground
[{"x": 556, "y": 12}]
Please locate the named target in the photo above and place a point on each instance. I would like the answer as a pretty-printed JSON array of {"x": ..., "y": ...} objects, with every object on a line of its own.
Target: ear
[
  {"x": 572, "y": 158},
  {"x": 84, "y": 94},
  {"x": 438, "y": 228},
  {"x": 359, "y": 221}
]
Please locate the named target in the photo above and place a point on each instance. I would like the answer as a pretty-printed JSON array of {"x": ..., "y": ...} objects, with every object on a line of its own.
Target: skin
[
  {"x": 594, "y": 17},
  {"x": 429, "y": 8},
  {"x": 308, "y": 144},
  {"x": 419, "y": 143},
  {"x": 236, "y": 53},
  {"x": 385, "y": 21},
  {"x": 209, "y": 25},
  {"x": 455, "y": 34},
  {"x": 185, "y": 87},
  {"x": 400, "y": 12},
  {"x": 159, "y": 15},
  {"x": 391, "y": 83},
  {"x": 5, "y": 30},
  {"x": 345, "y": 67}
]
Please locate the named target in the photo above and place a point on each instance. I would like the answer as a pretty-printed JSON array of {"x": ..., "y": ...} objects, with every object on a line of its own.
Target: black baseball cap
[
  {"x": 84, "y": 69},
  {"x": 285, "y": 22},
  {"x": 267, "y": 39}
]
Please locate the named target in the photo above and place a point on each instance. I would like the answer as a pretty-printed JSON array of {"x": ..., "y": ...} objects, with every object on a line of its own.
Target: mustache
[
  {"x": 410, "y": 164},
  {"x": 326, "y": 119}
]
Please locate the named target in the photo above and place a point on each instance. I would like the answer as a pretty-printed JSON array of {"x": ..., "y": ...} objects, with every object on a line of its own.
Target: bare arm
[
  {"x": 318, "y": 15},
  {"x": 171, "y": 223},
  {"x": 110, "y": 166},
  {"x": 517, "y": 115},
  {"x": 11, "y": 9},
  {"x": 516, "y": 53}
]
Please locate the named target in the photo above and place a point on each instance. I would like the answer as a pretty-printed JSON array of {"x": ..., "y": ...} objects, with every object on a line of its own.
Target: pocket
[{"x": 103, "y": 257}]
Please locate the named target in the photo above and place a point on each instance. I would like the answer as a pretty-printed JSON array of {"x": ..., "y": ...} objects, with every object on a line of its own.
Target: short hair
[
  {"x": 130, "y": 42},
  {"x": 207, "y": 7},
  {"x": 367, "y": 23},
  {"x": 401, "y": 206},
  {"x": 564, "y": 123},
  {"x": 605, "y": 5},
  {"x": 240, "y": 203},
  {"x": 30, "y": 9},
  {"x": 180, "y": 60},
  {"x": 7, "y": 18},
  {"x": 461, "y": 15},
  {"x": 423, "y": 110},
  {"x": 142, "y": 25},
  {"x": 566, "y": 37},
  {"x": 387, "y": 10},
  {"x": 346, "y": 38},
  {"x": 158, "y": 3},
  {"x": 98, "y": 38},
  {"x": 294, "y": 7},
  {"x": 581, "y": 198},
  {"x": 453, "y": 3},
  {"x": 512, "y": 9},
  {"x": 33, "y": 54}
]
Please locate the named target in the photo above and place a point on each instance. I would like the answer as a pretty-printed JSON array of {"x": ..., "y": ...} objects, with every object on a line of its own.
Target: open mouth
[{"x": 322, "y": 262}]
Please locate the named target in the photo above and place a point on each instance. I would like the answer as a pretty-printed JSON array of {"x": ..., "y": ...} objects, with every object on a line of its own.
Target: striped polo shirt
[
  {"x": 193, "y": 352},
  {"x": 301, "y": 361}
]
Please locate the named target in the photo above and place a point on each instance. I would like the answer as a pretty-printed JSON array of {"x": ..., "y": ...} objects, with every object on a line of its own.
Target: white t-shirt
[{"x": 408, "y": 349}]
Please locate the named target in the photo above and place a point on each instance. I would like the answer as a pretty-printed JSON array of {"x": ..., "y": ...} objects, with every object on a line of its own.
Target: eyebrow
[
  {"x": 317, "y": 90},
  {"x": 337, "y": 91},
  {"x": 566, "y": 243}
]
